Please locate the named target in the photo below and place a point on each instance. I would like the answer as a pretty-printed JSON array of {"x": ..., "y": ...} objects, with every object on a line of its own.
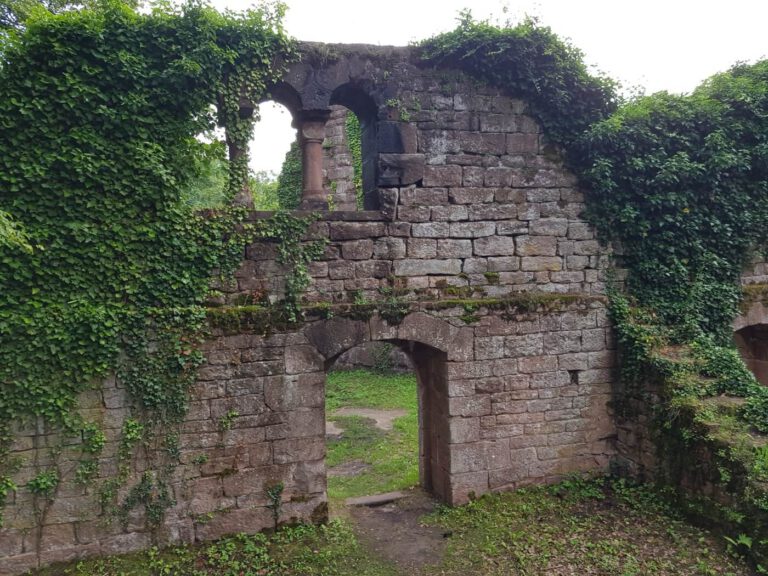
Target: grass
[
  {"x": 597, "y": 527},
  {"x": 365, "y": 389},
  {"x": 331, "y": 550},
  {"x": 579, "y": 527},
  {"x": 393, "y": 456}
]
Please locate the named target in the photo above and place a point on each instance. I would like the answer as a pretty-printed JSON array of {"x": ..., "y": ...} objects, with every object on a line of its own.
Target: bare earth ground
[{"x": 395, "y": 533}]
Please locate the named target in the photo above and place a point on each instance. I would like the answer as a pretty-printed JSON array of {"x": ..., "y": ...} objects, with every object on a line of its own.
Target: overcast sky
[{"x": 660, "y": 45}]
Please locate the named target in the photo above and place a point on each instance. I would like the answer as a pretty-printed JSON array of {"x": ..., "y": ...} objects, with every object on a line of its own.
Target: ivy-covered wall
[{"x": 486, "y": 189}]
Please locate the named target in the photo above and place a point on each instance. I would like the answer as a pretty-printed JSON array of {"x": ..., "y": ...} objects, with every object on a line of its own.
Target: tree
[{"x": 14, "y": 13}]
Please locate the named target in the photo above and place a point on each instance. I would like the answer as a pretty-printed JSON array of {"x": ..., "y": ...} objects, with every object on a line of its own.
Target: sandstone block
[
  {"x": 472, "y": 229},
  {"x": 356, "y": 230},
  {"x": 430, "y": 230},
  {"x": 357, "y": 249},
  {"x": 412, "y": 267},
  {"x": 449, "y": 213},
  {"x": 541, "y": 263},
  {"x": 494, "y": 246},
  {"x": 471, "y": 195},
  {"x": 442, "y": 176},
  {"x": 421, "y": 248}
]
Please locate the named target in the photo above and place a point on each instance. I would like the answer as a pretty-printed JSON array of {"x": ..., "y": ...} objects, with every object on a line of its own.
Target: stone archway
[
  {"x": 426, "y": 341},
  {"x": 751, "y": 338}
]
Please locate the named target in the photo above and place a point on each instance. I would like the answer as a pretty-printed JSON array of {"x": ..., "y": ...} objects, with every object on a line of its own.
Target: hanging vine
[{"x": 104, "y": 268}]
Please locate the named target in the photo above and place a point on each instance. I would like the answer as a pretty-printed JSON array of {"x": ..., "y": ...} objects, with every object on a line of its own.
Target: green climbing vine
[
  {"x": 289, "y": 180},
  {"x": 530, "y": 62},
  {"x": 352, "y": 129},
  {"x": 679, "y": 183},
  {"x": 104, "y": 264}
]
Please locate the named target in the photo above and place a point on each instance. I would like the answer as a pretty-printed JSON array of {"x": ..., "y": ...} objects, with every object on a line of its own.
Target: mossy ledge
[{"x": 267, "y": 319}]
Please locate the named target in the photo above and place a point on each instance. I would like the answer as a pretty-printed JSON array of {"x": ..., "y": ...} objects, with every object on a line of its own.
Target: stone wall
[
  {"x": 338, "y": 164},
  {"x": 477, "y": 240}
]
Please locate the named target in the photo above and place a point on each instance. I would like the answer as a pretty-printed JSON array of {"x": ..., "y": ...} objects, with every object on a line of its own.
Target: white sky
[{"x": 660, "y": 45}]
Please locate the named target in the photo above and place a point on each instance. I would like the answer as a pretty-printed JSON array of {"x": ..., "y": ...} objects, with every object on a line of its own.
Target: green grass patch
[
  {"x": 364, "y": 389},
  {"x": 393, "y": 456},
  {"x": 579, "y": 527},
  {"x": 331, "y": 550}
]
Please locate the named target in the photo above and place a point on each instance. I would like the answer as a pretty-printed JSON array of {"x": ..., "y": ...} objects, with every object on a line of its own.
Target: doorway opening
[
  {"x": 752, "y": 342},
  {"x": 381, "y": 410}
]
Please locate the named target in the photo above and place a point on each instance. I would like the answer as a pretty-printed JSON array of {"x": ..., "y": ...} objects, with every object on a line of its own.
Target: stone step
[{"x": 376, "y": 499}]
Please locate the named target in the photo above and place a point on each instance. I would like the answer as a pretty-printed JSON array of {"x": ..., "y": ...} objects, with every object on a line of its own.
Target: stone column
[{"x": 311, "y": 125}]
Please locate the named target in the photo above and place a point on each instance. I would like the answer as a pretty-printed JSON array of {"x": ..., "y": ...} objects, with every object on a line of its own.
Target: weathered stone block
[
  {"x": 423, "y": 196},
  {"x": 422, "y": 248},
  {"x": 454, "y": 248},
  {"x": 522, "y": 143},
  {"x": 449, "y": 213},
  {"x": 470, "y": 195},
  {"x": 494, "y": 246},
  {"x": 533, "y": 364},
  {"x": 472, "y": 229},
  {"x": 298, "y": 450},
  {"x": 235, "y": 521},
  {"x": 356, "y": 230},
  {"x": 357, "y": 249},
  {"x": 536, "y": 245},
  {"x": 300, "y": 359},
  {"x": 492, "y": 211},
  {"x": 414, "y": 213},
  {"x": 442, "y": 176},
  {"x": 541, "y": 263},
  {"x": 430, "y": 230},
  {"x": 411, "y": 267},
  {"x": 498, "y": 177},
  {"x": 401, "y": 169}
]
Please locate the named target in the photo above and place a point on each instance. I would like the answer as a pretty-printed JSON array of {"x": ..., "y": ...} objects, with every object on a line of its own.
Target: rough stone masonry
[{"x": 471, "y": 218}]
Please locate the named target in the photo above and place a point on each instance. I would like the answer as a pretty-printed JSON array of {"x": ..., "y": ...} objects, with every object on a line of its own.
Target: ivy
[
  {"x": 104, "y": 263},
  {"x": 295, "y": 253},
  {"x": 289, "y": 182},
  {"x": 680, "y": 182},
  {"x": 530, "y": 62},
  {"x": 354, "y": 135}
]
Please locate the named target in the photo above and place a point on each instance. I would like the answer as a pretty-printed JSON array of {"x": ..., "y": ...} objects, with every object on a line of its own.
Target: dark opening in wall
[
  {"x": 752, "y": 343},
  {"x": 361, "y": 138}
]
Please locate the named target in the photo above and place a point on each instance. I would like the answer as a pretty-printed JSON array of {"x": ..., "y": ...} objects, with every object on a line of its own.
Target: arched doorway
[
  {"x": 410, "y": 405},
  {"x": 752, "y": 342}
]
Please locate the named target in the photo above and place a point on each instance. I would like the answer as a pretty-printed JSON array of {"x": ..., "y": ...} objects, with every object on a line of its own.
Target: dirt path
[
  {"x": 395, "y": 533},
  {"x": 392, "y": 531}
]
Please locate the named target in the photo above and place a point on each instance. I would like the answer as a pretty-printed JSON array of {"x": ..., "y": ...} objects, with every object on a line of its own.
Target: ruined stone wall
[{"x": 475, "y": 208}]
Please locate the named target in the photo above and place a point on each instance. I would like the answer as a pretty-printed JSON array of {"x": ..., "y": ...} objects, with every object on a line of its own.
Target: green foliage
[
  {"x": 226, "y": 421},
  {"x": 12, "y": 234},
  {"x": 289, "y": 182},
  {"x": 327, "y": 550},
  {"x": 275, "y": 498},
  {"x": 263, "y": 186},
  {"x": 680, "y": 182},
  {"x": 293, "y": 252},
  {"x": 208, "y": 187},
  {"x": 6, "y": 487},
  {"x": 15, "y": 13},
  {"x": 100, "y": 113},
  {"x": 352, "y": 128},
  {"x": 530, "y": 62},
  {"x": 44, "y": 484},
  {"x": 392, "y": 457}
]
